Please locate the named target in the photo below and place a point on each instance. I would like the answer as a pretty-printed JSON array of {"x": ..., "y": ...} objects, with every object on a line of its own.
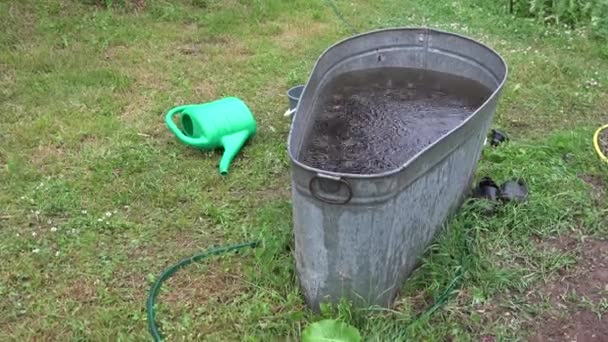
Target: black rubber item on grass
[
  {"x": 497, "y": 137},
  {"x": 487, "y": 189},
  {"x": 514, "y": 191}
]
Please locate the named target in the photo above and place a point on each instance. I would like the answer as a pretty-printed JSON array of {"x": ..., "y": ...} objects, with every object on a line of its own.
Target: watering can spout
[{"x": 232, "y": 144}]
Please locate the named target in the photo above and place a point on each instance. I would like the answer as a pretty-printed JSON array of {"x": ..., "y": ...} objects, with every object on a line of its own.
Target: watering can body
[{"x": 226, "y": 123}]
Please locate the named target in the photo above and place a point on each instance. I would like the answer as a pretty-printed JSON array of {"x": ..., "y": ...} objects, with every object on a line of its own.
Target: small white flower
[
  {"x": 115, "y": 211},
  {"x": 22, "y": 197},
  {"x": 126, "y": 207},
  {"x": 53, "y": 229},
  {"x": 34, "y": 234},
  {"x": 74, "y": 231},
  {"x": 99, "y": 220},
  {"x": 18, "y": 235},
  {"x": 57, "y": 253},
  {"x": 37, "y": 212},
  {"x": 107, "y": 222},
  {"x": 83, "y": 212},
  {"x": 108, "y": 214},
  {"x": 49, "y": 222},
  {"x": 35, "y": 250}
]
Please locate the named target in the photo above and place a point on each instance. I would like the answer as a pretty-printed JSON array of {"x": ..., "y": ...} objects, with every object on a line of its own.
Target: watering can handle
[{"x": 178, "y": 132}]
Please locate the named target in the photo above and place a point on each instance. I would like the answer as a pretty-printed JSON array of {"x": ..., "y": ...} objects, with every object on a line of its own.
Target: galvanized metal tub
[{"x": 359, "y": 236}]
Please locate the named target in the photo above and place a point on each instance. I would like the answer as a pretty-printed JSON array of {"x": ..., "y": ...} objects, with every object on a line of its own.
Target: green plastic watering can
[{"x": 226, "y": 123}]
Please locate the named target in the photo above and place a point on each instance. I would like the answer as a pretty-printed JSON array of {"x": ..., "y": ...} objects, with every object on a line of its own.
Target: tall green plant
[
  {"x": 574, "y": 13},
  {"x": 599, "y": 19}
]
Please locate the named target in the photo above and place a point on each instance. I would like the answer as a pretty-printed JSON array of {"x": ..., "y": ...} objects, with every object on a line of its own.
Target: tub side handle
[{"x": 330, "y": 181}]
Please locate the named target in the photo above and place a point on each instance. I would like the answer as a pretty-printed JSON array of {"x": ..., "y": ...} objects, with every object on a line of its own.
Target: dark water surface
[{"x": 375, "y": 120}]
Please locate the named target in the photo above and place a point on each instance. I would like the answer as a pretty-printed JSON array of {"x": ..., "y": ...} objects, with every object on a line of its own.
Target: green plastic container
[{"x": 226, "y": 123}]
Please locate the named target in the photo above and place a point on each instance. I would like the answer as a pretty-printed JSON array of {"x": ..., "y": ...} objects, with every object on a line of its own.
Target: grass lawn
[{"x": 97, "y": 197}]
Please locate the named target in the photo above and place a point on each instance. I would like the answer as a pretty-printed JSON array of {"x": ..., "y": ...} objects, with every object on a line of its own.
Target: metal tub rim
[{"x": 427, "y": 30}]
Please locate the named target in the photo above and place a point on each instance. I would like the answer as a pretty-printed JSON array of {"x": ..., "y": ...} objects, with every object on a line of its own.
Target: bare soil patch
[
  {"x": 196, "y": 286},
  {"x": 45, "y": 154},
  {"x": 294, "y": 34},
  {"x": 571, "y": 319},
  {"x": 598, "y": 185}
]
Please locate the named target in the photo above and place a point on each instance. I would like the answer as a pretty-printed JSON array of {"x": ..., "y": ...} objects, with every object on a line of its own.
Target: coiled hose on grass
[
  {"x": 170, "y": 271},
  {"x": 596, "y": 143}
]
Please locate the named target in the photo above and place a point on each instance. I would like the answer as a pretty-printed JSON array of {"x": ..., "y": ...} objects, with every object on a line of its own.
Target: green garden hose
[
  {"x": 170, "y": 271},
  {"x": 167, "y": 273}
]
